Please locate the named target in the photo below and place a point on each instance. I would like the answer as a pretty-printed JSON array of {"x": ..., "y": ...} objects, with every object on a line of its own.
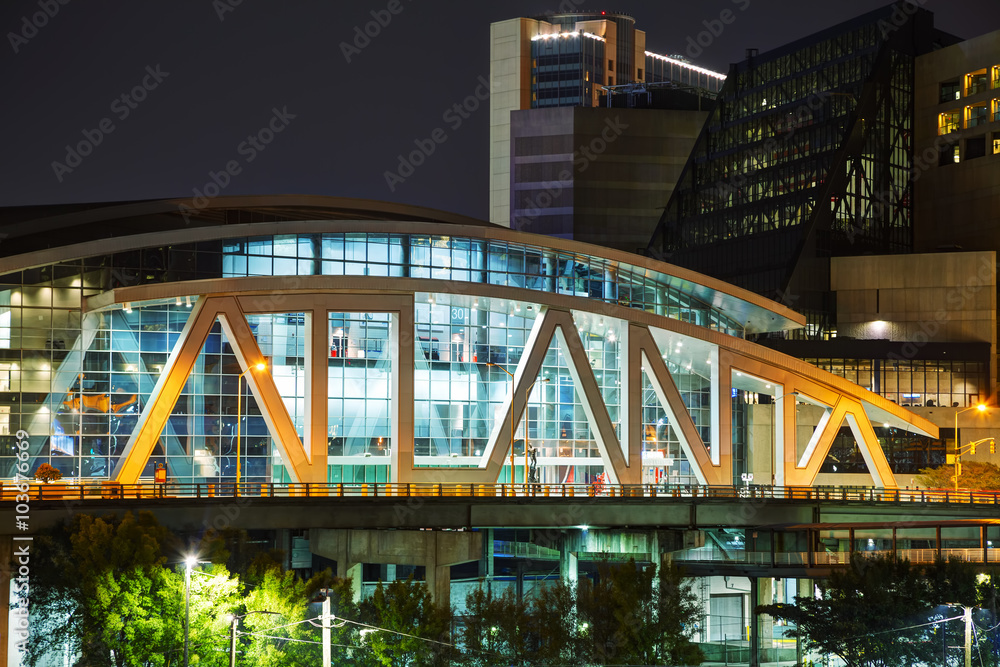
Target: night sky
[{"x": 214, "y": 72}]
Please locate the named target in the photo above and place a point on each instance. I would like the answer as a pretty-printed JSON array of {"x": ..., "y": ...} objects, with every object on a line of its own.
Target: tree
[
  {"x": 872, "y": 613},
  {"x": 495, "y": 628},
  {"x": 411, "y": 629},
  {"x": 103, "y": 588},
  {"x": 46, "y": 473},
  {"x": 554, "y": 633},
  {"x": 975, "y": 475},
  {"x": 636, "y": 616},
  {"x": 678, "y": 613}
]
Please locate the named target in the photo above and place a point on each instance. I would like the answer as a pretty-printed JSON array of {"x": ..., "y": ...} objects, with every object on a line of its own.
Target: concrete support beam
[
  {"x": 435, "y": 550},
  {"x": 568, "y": 565}
]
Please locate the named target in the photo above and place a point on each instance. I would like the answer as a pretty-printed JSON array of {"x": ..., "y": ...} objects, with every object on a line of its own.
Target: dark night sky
[{"x": 224, "y": 77}]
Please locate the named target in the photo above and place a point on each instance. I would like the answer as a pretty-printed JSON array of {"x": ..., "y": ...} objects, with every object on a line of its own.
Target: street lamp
[
  {"x": 958, "y": 441},
  {"x": 261, "y": 366},
  {"x": 492, "y": 365},
  {"x": 189, "y": 562},
  {"x": 527, "y": 395},
  {"x": 233, "y": 618}
]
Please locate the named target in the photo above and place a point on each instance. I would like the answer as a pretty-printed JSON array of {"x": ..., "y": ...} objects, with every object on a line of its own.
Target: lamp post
[
  {"x": 261, "y": 366},
  {"x": 958, "y": 441},
  {"x": 232, "y": 633},
  {"x": 189, "y": 562},
  {"x": 492, "y": 365},
  {"x": 527, "y": 395}
]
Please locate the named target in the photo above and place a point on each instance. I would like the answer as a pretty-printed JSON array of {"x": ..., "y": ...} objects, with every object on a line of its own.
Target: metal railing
[
  {"x": 803, "y": 558},
  {"x": 11, "y": 492}
]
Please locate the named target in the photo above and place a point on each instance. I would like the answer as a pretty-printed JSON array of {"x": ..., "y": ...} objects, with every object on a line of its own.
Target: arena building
[{"x": 313, "y": 339}]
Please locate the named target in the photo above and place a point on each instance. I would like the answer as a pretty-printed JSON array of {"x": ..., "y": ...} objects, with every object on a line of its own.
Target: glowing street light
[
  {"x": 492, "y": 365},
  {"x": 958, "y": 440},
  {"x": 189, "y": 562},
  {"x": 261, "y": 366}
]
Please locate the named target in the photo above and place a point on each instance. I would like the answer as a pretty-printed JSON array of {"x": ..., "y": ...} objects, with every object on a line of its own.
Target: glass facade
[
  {"x": 915, "y": 382},
  {"x": 78, "y": 381},
  {"x": 567, "y": 69},
  {"x": 807, "y": 154}
]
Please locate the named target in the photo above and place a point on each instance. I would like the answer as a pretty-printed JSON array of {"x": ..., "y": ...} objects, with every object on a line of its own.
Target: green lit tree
[
  {"x": 103, "y": 588},
  {"x": 412, "y": 630},
  {"x": 496, "y": 628},
  {"x": 975, "y": 475},
  {"x": 635, "y": 616},
  {"x": 554, "y": 628},
  {"x": 873, "y": 613}
]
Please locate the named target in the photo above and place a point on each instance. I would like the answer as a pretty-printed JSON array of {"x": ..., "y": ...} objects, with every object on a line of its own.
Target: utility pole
[
  {"x": 968, "y": 636},
  {"x": 326, "y": 631}
]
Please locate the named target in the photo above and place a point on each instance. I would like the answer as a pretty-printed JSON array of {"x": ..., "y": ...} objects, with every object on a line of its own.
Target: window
[
  {"x": 949, "y": 121},
  {"x": 611, "y": 65},
  {"x": 611, "y": 80},
  {"x": 977, "y": 115},
  {"x": 949, "y": 155},
  {"x": 639, "y": 75},
  {"x": 996, "y": 143},
  {"x": 976, "y": 82},
  {"x": 975, "y": 147},
  {"x": 950, "y": 91},
  {"x": 996, "y": 76},
  {"x": 996, "y": 110}
]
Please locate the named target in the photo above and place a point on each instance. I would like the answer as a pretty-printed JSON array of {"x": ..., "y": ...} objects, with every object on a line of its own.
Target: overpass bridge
[
  {"x": 746, "y": 530},
  {"x": 761, "y": 533}
]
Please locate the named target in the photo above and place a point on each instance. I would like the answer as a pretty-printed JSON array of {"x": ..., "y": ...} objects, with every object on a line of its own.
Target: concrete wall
[
  {"x": 598, "y": 175},
  {"x": 946, "y": 297},
  {"x": 510, "y": 76},
  {"x": 956, "y": 204}
]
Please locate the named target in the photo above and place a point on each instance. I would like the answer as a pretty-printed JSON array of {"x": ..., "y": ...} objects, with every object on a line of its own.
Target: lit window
[
  {"x": 955, "y": 154},
  {"x": 951, "y": 90},
  {"x": 996, "y": 143},
  {"x": 996, "y": 76},
  {"x": 949, "y": 121},
  {"x": 976, "y": 82},
  {"x": 976, "y": 115}
]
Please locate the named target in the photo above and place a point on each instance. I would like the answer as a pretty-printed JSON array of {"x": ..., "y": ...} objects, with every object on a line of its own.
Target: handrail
[{"x": 107, "y": 490}]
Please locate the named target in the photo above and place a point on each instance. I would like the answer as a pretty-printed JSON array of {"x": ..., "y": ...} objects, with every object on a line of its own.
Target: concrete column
[
  {"x": 356, "y": 572},
  {"x": 438, "y": 580},
  {"x": 568, "y": 566},
  {"x": 803, "y": 588},
  {"x": 390, "y": 572},
  {"x": 764, "y": 623}
]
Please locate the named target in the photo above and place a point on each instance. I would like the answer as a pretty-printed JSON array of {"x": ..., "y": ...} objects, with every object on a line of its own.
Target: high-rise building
[
  {"x": 566, "y": 60},
  {"x": 807, "y": 156}
]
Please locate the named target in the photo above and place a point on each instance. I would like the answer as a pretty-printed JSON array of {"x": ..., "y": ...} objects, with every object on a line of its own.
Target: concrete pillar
[
  {"x": 568, "y": 566},
  {"x": 764, "y": 623},
  {"x": 803, "y": 588},
  {"x": 438, "y": 580},
  {"x": 390, "y": 572},
  {"x": 356, "y": 572},
  {"x": 486, "y": 562}
]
